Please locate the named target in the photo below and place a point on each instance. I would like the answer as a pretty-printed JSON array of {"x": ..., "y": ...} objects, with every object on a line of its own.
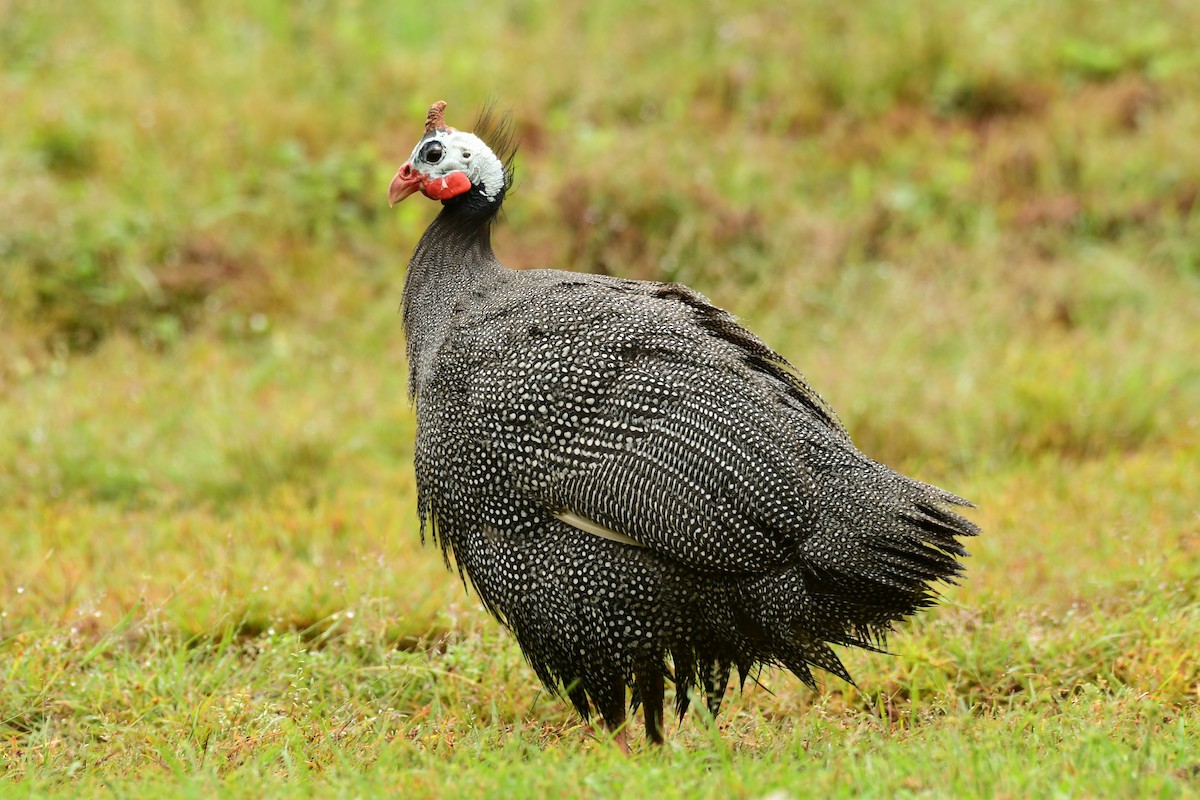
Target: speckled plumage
[{"x": 746, "y": 528}]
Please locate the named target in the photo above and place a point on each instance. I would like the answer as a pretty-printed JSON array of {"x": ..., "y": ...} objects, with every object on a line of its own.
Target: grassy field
[{"x": 974, "y": 227}]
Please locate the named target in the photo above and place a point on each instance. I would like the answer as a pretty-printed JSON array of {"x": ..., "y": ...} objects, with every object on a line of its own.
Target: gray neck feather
[{"x": 451, "y": 259}]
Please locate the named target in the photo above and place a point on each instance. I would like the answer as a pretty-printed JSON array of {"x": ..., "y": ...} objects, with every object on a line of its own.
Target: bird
[{"x": 639, "y": 488}]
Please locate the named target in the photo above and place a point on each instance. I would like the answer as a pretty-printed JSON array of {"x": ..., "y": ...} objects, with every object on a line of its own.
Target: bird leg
[
  {"x": 650, "y": 690},
  {"x": 621, "y": 738}
]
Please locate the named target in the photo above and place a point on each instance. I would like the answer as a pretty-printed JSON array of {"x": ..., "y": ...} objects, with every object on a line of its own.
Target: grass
[{"x": 974, "y": 229}]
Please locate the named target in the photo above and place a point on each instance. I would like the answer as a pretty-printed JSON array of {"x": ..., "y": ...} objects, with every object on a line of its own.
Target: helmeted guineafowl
[{"x": 636, "y": 485}]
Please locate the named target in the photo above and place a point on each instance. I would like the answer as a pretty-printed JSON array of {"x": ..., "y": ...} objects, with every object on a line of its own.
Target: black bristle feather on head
[{"x": 500, "y": 134}]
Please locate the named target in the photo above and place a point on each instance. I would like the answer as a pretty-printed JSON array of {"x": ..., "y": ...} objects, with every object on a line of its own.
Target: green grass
[{"x": 973, "y": 228}]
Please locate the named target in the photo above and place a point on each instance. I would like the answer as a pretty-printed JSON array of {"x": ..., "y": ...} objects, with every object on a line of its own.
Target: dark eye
[{"x": 432, "y": 152}]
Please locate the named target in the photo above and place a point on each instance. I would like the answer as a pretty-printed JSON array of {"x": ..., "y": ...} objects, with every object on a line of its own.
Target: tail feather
[{"x": 872, "y": 561}]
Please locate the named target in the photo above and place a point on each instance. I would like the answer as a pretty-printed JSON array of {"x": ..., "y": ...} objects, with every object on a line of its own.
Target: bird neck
[{"x": 453, "y": 258}]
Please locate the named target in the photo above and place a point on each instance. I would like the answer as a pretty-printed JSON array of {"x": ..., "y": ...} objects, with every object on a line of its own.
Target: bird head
[{"x": 449, "y": 163}]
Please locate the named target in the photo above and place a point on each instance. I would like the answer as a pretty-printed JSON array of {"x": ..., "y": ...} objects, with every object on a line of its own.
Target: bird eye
[{"x": 432, "y": 152}]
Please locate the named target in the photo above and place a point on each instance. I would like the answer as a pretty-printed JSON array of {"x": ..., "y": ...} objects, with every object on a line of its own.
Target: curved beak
[{"x": 407, "y": 181}]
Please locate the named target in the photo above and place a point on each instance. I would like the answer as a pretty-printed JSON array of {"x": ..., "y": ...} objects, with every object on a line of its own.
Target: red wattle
[{"x": 447, "y": 186}]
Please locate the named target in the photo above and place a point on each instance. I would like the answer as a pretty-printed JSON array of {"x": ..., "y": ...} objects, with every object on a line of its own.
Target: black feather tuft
[{"x": 498, "y": 133}]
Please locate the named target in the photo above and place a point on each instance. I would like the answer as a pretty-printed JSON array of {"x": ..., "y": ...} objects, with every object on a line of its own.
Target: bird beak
[{"x": 407, "y": 181}]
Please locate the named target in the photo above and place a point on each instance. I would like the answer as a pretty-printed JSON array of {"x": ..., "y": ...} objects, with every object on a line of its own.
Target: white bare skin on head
[{"x": 460, "y": 152}]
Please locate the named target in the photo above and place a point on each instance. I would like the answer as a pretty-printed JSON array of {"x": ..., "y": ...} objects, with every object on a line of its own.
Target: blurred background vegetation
[
  {"x": 974, "y": 227},
  {"x": 1011, "y": 187}
]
